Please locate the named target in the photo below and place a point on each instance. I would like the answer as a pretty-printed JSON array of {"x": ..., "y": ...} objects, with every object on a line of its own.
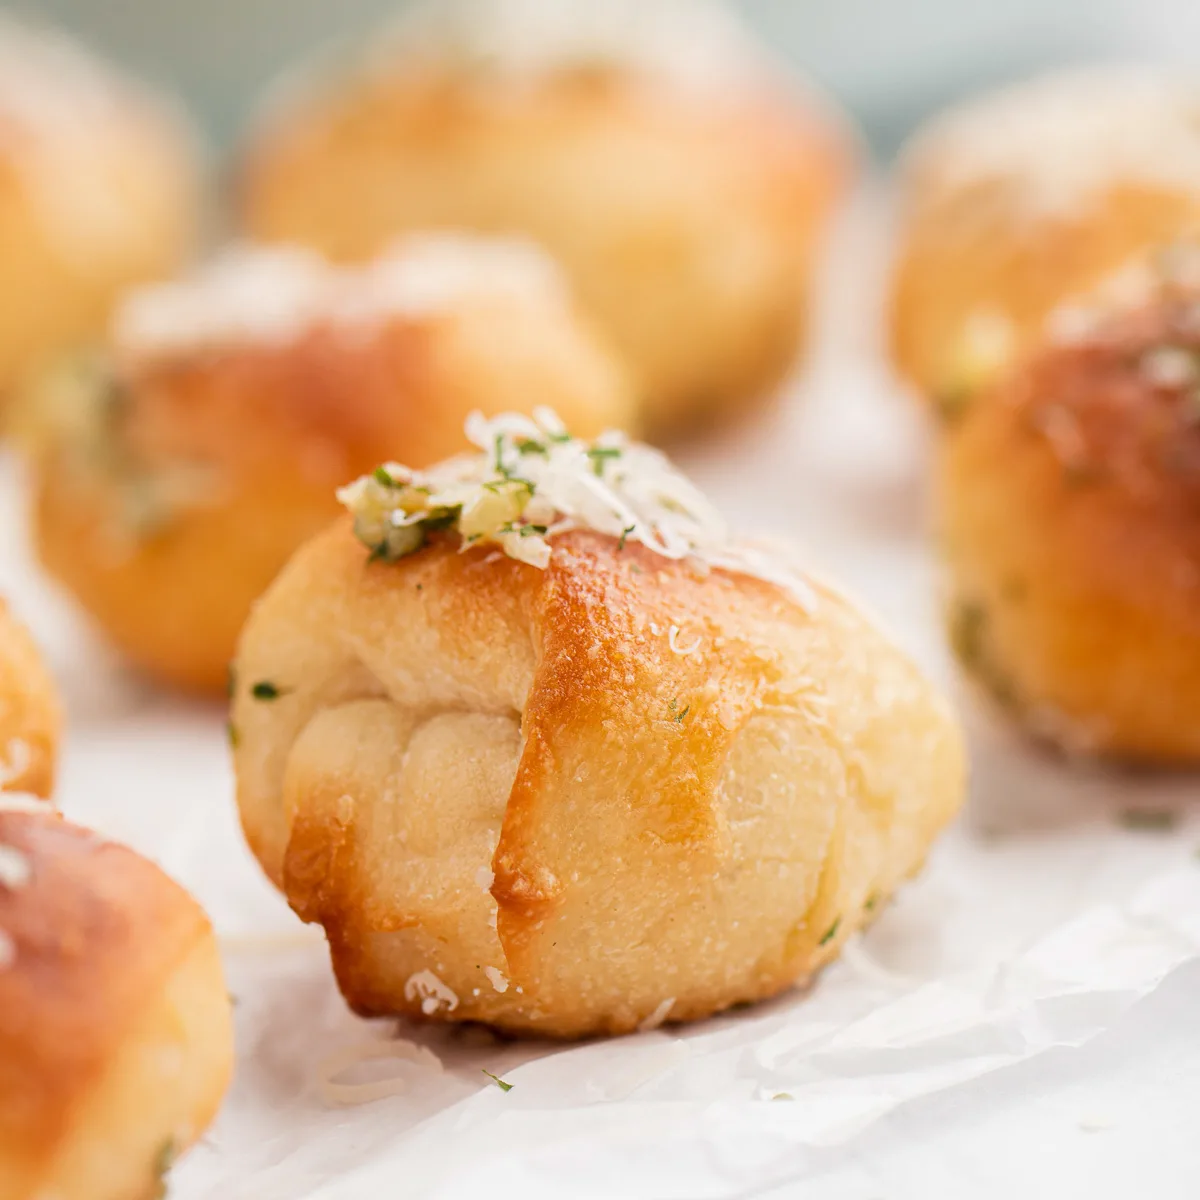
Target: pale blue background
[{"x": 889, "y": 60}]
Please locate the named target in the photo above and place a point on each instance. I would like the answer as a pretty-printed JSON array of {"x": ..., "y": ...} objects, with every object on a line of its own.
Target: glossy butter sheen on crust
[
  {"x": 115, "y": 1033},
  {"x": 575, "y": 800},
  {"x": 1029, "y": 196},
  {"x": 239, "y": 440},
  {"x": 1070, "y": 510}
]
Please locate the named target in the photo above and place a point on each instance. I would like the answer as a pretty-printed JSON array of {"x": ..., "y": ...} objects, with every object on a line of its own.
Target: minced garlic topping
[{"x": 532, "y": 480}]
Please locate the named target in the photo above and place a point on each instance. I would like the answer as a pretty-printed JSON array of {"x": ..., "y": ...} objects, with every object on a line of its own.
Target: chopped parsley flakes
[
  {"x": 164, "y": 1160},
  {"x": 503, "y": 1085},
  {"x": 830, "y": 933},
  {"x": 1149, "y": 820}
]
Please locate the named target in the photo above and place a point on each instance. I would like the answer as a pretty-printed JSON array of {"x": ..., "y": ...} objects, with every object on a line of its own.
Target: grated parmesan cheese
[
  {"x": 657, "y": 1017},
  {"x": 1064, "y": 138},
  {"x": 15, "y": 870},
  {"x": 673, "y": 642},
  {"x": 496, "y": 978},
  {"x": 532, "y": 481},
  {"x": 431, "y": 991},
  {"x": 1172, "y": 272},
  {"x": 272, "y": 295},
  {"x": 1170, "y": 367}
]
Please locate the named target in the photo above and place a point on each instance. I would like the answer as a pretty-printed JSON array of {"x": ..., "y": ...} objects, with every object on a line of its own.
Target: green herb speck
[
  {"x": 266, "y": 690},
  {"x": 1149, "y": 820},
  {"x": 500, "y": 1083},
  {"x": 164, "y": 1159},
  {"x": 383, "y": 476},
  {"x": 624, "y": 534},
  {"x": 598, "y": 455},
  {"x": 830, "y": 933},
  {"x": 231, "y": 731},
  {"x": 950, "y": 404}
]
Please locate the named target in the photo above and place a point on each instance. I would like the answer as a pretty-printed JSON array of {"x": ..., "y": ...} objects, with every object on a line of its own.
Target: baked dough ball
[
  {"x": 1019, "y": 200},
  {"x": 1070, "y": 506},
  {"x": 30, "y": 716},
  {"x": 98, "y": 190},
  {"x": 681, "y": 180},
  {"x": 175, "y": 481},
  {"x": 617, "y": 780},
  {"x": 115, "y": 1035}
]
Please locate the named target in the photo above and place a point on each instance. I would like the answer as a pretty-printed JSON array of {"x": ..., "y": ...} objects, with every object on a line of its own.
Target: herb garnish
[
  {"x": 164, "y": 1160},
  {"x": 831, "y": 932},
  {"x": 503, "y": 1085},
  {"x": 266, "y": 690},
  {"x": 598, "y": 455},
  {"x": 1149, "y": 820},
  {"x": 625, "y": 534}
]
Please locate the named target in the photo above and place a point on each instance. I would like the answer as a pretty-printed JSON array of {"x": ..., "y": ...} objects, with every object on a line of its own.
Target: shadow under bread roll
[
  {"x": 1069, "y": 505},
  {"x": 176, "y": 475},
  {"x": 30, "y": 713},
  {"x": 99, "y": 189},
  {"x": 1025, "y": 197},
  {"x": 684, "y": 180},
  {"x": 115, "y": 1035},
  {"x": 539, "y": 744}
]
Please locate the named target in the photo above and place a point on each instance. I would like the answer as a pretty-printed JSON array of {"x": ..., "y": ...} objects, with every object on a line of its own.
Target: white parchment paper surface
[{"x": 1040, "y": 922}]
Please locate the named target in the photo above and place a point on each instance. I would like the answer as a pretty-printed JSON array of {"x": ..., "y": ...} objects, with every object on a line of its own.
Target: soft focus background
[{"x": 891, "y": 61}]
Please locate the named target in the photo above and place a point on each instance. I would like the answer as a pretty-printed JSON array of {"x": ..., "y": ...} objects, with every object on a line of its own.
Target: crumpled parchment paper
[{"x": 1040, "y": 920}]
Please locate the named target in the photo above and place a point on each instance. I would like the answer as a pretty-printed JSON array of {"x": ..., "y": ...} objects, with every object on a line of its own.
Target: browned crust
[
  {"x": 762, "y": 172},
  {"x": 94, "y": 931},
  {"x": 30, "y": 713},
  {"x": 273, "y": 430},
  {"x": 977, "y": 250},
  {"x": 622, "y": 828},
  {"x": 1071, "y": 498},
  {"x": 336, "y": 399}
]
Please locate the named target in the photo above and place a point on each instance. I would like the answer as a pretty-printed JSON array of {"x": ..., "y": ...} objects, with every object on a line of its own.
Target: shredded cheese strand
[{"x": 531, "y": 481}]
